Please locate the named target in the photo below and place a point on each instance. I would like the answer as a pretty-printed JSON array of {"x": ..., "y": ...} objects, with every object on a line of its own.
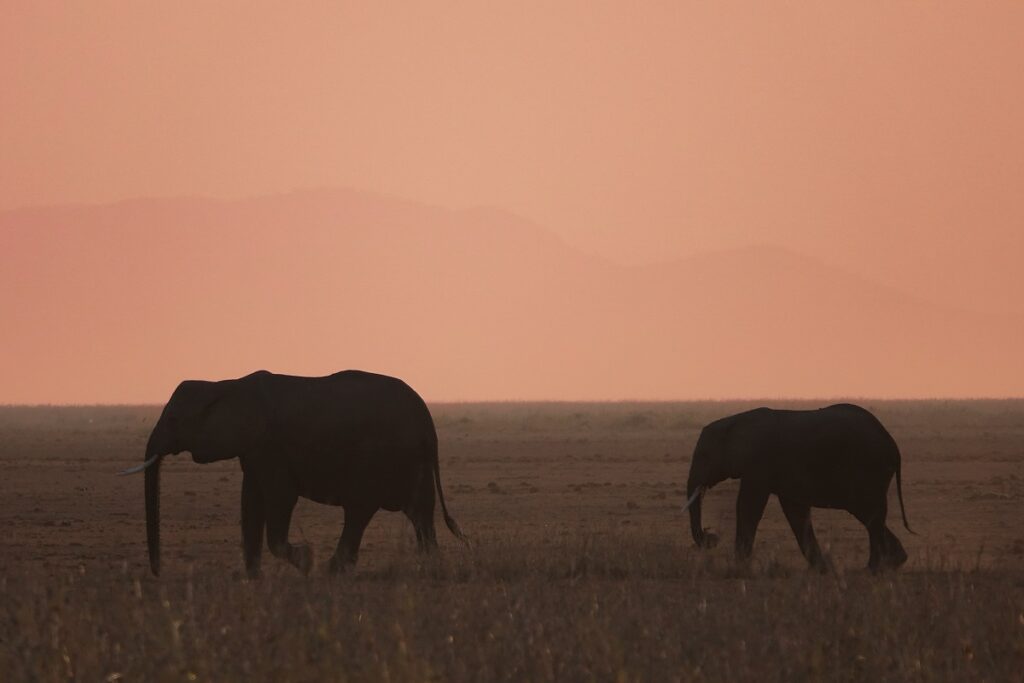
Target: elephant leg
[
  {"x": 886, "y": 550},
  {"x": 421, "y": 513},
  {"x": 356, "y": 520},
  {"x": 750, "y": 506},
  {"x": 279, "y": 507},
  {"x": 253, "y": 520},
  {"x": 426, "y": 535},
  {"x": 799, "y": 518},
  {"x": 876, "y": 541},
  {"x": 893, "y": 554}
]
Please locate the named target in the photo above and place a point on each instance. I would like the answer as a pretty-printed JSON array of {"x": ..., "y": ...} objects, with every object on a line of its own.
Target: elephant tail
[
  {"x": 449, "y": 521},
  {"x": 899, "y": 491}
]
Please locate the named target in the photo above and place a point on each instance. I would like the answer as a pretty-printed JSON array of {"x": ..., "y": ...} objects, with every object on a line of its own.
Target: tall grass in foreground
[{"x": 607, "y": 607}]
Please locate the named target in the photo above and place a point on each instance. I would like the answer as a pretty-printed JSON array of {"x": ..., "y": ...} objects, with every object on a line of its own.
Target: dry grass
[{"x": 581, "y": 567}]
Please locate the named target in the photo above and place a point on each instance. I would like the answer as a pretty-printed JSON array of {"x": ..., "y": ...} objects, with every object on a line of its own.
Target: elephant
[
  {"x": 838, "y": 457},
  {"x": 354, "y": 439}
]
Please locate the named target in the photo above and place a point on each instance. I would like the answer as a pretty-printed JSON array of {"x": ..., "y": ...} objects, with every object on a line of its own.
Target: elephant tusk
[
  {"x": 695, "y": 496},
  {"x": 139, "y": 468}
]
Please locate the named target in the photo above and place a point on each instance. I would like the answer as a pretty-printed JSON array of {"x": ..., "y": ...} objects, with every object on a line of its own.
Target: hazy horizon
[{"x": 313, "y": 282}]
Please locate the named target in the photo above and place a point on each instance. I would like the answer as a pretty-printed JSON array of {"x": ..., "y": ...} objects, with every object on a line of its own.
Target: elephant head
[
  {"x": 211, "y": 420},
  {"x": 710, "y": 465}
]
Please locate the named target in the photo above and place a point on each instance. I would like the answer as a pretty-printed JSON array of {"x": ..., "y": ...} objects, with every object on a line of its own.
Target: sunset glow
[{"x": 513, "y": 201}]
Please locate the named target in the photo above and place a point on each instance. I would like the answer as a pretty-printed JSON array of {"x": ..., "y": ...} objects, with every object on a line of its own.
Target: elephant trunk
[
  {"x": 696, "y": 487},
  {"x": 696, "y": 498},
  {"x": 153, "y": 514}
]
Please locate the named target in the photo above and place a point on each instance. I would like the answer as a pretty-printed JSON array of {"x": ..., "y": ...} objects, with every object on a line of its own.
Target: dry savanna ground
[{"x": 581, "y": 567}]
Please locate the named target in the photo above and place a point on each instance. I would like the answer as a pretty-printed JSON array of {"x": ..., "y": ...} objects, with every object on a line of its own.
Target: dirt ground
[
  {"x": 548, "y": 473},
  {"x": 544, "y": 491}
]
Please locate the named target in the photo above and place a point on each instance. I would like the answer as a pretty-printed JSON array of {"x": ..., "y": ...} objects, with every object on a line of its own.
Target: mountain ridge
[{"x": 467, "y": 304}]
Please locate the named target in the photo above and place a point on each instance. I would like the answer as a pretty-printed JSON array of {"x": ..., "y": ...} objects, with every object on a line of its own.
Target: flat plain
[{"x": 581, "y": 566}]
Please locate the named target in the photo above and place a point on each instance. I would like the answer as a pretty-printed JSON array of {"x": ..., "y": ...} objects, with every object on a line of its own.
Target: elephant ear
[{"x": 232, "y": 424}]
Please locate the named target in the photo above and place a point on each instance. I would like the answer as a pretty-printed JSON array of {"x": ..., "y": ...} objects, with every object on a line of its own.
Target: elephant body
[
  {"x": 837, "y": 457},
  {"x": 353, "y": 439}
]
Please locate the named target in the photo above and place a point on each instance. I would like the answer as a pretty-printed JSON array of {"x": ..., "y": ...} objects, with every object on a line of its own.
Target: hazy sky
[
  {"x": 639, "y": 130},
  {"x": 880, "y": 137}
]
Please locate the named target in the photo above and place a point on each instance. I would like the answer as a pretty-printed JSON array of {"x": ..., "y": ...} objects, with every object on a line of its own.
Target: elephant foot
[
  {"x": 252, "y": 572},
  {"x": 889, "y": 564},
  {"x": 338, "y": 566},
  {"x": 897, "y": 558},
  {"x": 302, "y": 557},
  {"x": 881, "y": 567},
  {"x": 426, "y": 547},
  {"x": 822, "y": 565},
  {"x": 708, "y": 541}
]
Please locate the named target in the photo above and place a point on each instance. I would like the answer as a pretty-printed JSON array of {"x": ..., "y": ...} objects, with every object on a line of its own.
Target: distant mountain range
[{"x": 116, "y": 303}]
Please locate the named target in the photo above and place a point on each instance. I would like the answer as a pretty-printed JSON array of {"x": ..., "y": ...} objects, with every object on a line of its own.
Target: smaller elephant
[{"x": 838, "y": 457}]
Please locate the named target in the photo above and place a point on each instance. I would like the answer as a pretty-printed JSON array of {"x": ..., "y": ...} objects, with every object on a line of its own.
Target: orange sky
[{"x": 881, "y": 138}]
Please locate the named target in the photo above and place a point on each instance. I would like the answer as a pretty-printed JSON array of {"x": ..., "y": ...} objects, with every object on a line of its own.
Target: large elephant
[
  {"x": 837, "y": 457},
  {"x": 354, "y": 439}
]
